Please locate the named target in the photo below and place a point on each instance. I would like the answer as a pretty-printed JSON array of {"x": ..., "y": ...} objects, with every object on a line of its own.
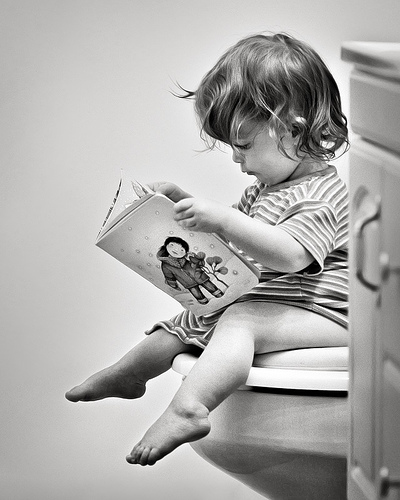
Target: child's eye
[{"x": 243, "y": 147}]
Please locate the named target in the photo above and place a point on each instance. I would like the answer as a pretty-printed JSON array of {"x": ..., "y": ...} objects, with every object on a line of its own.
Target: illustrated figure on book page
[{"x": 181, "y": 267}]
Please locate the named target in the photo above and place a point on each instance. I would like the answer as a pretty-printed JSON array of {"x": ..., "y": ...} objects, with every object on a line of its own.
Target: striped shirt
[{"x": 314, "y": 210}]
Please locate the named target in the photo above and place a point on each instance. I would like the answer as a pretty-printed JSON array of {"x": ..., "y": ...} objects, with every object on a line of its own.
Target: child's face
[
  {"x": 175, "y": 250},
  {"x": 259, "y": 155}
]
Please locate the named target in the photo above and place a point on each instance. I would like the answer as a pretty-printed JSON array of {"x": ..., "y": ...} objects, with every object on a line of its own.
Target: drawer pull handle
[{"x": 359, "y": 228}]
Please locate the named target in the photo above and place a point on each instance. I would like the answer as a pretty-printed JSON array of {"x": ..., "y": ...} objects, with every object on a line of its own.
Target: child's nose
[{"x": 236, "y": 156}]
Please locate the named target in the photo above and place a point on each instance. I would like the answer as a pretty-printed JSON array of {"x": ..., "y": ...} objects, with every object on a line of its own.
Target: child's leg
[
  {"x": 127, "y": 378},
  {"x": 243, "y": 330}
]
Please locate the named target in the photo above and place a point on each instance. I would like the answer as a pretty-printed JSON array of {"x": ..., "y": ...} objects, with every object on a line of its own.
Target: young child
[{"x": 275, "y": 103}]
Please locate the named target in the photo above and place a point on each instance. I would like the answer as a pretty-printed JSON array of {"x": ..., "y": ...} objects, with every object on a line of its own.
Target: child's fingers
[
  {"x": 183, "y": 205},
  {"x": 183, "y": 210},
  {"x": 156, "y": 186},
  {"x": 185, "y": 220},
  {"x": 170, "y": 190}
]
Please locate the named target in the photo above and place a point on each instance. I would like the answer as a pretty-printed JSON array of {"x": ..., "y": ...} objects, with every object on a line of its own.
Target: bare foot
[
  {"x": 175, "y": 427},
  {"x": 108, "y": 383}
]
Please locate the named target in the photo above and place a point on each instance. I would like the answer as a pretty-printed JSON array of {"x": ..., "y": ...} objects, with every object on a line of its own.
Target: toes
[
  {"x": 131, "y": 459},
  {"x": 143, "y": 455},
  {"x": 72, "y": 396},
  {"x": 80, "y": 393},
  {"x": 135, "y": 454},
  {"x": 154, "y": 455}
]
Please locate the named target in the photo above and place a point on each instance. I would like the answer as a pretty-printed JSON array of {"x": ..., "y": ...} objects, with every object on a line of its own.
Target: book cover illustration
[{"x": 200, "y": 270}]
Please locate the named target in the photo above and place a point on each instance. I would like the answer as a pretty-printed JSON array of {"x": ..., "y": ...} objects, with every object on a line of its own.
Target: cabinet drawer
[{"x": 375, "y": 108}]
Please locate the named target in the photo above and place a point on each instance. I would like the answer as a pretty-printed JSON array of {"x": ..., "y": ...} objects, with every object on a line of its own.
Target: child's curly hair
[{"x": 278, "y": 81}]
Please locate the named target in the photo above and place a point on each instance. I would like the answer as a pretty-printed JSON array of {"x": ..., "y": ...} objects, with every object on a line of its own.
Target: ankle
[
  {"x": 128, "y": 371},
  {"x": 189, "y": 409}
]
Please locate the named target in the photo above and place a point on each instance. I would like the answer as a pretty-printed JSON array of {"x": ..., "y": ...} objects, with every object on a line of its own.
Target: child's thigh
[{"x": 276, "y": 327}]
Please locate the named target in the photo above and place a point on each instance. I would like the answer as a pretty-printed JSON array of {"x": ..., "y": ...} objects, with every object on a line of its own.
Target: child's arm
[{"x": 269, "y": 245}]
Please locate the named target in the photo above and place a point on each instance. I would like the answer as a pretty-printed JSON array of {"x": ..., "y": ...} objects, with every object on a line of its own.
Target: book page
[{"x": 128, "y": 193}]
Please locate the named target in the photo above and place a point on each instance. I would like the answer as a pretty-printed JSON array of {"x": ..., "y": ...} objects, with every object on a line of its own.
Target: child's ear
[{"x": 298, "y": 125}]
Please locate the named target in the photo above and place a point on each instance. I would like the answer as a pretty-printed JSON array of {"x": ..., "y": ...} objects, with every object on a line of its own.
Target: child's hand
[
  {"x": 170, "y": 190},
  {"x": 201, "y": 215}
]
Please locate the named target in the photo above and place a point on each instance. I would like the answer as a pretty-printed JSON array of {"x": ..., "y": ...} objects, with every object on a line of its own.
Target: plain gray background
[{"x": 84, "y": 91}]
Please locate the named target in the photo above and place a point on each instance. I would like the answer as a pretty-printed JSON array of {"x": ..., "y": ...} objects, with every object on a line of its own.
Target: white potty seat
[{"x": 311, "y": 369}]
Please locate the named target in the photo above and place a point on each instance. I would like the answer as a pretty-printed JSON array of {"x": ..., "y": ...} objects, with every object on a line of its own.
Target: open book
[{"x": 200, "y": 270}]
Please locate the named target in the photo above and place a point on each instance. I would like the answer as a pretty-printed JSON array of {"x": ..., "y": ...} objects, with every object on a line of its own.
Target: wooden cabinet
[
  {"x": 389, "y": 360},
  {"x": 374, "y": 454},
  {"x": 365, "y": 190},
  {"x": 375, "y": 321}
]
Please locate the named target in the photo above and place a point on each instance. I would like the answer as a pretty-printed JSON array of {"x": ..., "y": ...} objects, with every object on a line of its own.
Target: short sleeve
[
  {"x": 313, "y": 223},
  {"x": 249, "y": 196}
]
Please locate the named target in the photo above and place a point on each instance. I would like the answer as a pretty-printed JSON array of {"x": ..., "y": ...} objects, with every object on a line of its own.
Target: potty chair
[{"x": 285, "y": 433}]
